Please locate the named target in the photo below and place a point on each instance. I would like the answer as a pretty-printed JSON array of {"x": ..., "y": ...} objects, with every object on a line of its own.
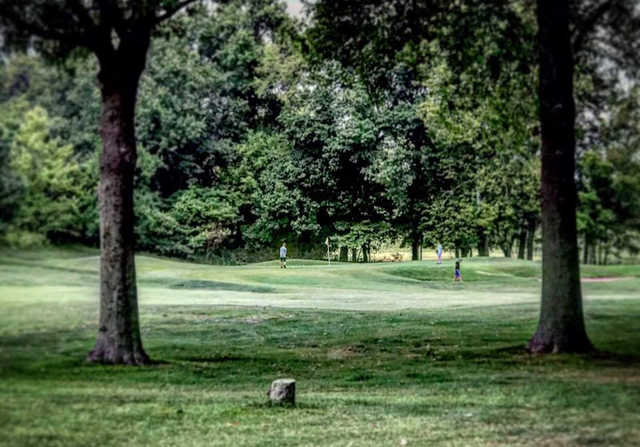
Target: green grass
[{"x": 382, "y": 353}]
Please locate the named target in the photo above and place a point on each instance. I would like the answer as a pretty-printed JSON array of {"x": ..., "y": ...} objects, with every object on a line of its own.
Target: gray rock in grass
[{"x": 283, "y": 391}]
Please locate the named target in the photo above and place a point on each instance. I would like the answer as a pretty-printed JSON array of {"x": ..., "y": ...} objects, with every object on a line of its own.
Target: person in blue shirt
[
  {"x": 439, "y": 253},
  {"x": 283, "y": 256},
  {"x": 457, "y": 275}
]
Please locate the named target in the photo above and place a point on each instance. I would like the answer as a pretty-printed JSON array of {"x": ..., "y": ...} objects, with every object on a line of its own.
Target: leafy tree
[
  {"x": 473, "y": 63},
  {"x": 51, "y": 178},
  {"x": 608, "y": 212},
  {"x": 596, "y": 201},
  {"x": 11, "y": 188},
  {"x": 119, "y": 35},
  {"x": 334, "y": 136},
  {"x": 212, "y": 59},
  {"x": 561, "y": 327}
]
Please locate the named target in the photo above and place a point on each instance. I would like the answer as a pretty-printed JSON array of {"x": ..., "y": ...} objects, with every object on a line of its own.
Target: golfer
[
  {"x": 283, "y": 256},
  {"x": 457, "y": 275}
]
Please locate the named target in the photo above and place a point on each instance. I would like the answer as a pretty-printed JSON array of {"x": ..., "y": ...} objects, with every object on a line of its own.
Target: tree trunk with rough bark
[
  {"x": 561, "y": 326},
  {"x": 119, "y": 339}
]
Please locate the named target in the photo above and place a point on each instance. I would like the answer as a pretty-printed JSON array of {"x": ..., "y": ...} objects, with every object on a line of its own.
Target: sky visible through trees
[{"x": 294, "y": 7}]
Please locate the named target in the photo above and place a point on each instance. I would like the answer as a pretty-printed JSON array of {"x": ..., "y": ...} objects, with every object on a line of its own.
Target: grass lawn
[{"x": 383, "y": 354}]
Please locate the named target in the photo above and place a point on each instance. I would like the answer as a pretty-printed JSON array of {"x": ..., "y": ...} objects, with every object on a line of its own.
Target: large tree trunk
[
  {"x": 561, "y": 326},
  {"x": 354, "y": 255},
  {"x": 522, "y": 242},
  {"x": 365, "y": 253},
  {"x": 344, "y": 254},
  {"x": 119, "y": 338},
  {"x": 531, "y": 234}
]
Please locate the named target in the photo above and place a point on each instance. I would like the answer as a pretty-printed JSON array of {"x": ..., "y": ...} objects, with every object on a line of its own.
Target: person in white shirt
[{"x": 283, "y": 256}]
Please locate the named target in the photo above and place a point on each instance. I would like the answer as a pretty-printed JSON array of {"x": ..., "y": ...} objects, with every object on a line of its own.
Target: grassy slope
[{"x": 381, "y": 353}]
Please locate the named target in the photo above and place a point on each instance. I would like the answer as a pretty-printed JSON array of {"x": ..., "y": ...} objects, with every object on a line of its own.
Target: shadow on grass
[
  {"x": 199, "y": 284},
  {"x": 48, "y": 267},
  {"x": 606, "y": 358},
  {"x": 215, "y": 359}
]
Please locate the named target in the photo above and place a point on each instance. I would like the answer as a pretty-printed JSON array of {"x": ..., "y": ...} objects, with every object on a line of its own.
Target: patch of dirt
[{"x": 605, "y": 279}]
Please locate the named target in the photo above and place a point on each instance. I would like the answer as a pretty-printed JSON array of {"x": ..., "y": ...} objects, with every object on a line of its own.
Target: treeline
[{"x": 249, "y": 135}]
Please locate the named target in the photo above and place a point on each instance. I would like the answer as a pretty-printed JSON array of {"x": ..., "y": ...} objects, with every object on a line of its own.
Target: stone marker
[{"x": 283, "y": 391}]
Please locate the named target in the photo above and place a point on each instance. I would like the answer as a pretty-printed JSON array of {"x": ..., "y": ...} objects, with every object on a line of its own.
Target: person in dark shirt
[{"x": 457, "y": 275}]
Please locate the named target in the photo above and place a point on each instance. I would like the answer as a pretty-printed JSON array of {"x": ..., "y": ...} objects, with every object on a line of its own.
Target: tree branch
[
  {"x": 589, "y": 24},
  {"x": 38, "y": 30},
  {"x": 172, "y": 11},
  {"x": 83, "y": 15}
]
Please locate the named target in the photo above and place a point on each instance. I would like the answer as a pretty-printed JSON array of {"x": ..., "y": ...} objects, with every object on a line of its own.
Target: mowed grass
[{"x": 383, "y": 354}]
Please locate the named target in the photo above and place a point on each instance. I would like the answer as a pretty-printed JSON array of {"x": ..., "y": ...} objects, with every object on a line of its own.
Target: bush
[{"x": 16, "y": 238}]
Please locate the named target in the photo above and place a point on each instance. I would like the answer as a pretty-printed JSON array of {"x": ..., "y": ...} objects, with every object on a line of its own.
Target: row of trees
[
  {"x": 378, "y": 120},
  {"x": 249, "y": 136}
]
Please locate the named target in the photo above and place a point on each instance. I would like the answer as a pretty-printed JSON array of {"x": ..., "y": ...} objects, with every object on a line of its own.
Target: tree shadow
[{"x": 200, "y": 284}]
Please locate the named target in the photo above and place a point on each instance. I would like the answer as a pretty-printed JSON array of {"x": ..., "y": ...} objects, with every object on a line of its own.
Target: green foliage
[
  {"x": 11, "y": 187},
  {"x": 334, "y": 136},
  {"x": 51, "y": 178},
  {"x": 386, "y": 128},
  {"x": 609, "y": 186}
]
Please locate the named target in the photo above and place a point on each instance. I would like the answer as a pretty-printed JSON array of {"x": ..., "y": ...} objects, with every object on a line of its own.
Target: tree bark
[
  {"x": 561, "y": 326},
  {"x": 507, "y": 247},
  {"x": 416, "y": 247},
  {"x": 531, "y": 234},
  {"x": 119, "y": 339},
  {"x": 483, "y": 245},
  {"x": 365, "y": 254},
  {"x": 522, "y": 242},
  {"x": 344, "y": 254},
  {"x": 585, "y": 250},
  {"x": 354, "y": 255}
]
